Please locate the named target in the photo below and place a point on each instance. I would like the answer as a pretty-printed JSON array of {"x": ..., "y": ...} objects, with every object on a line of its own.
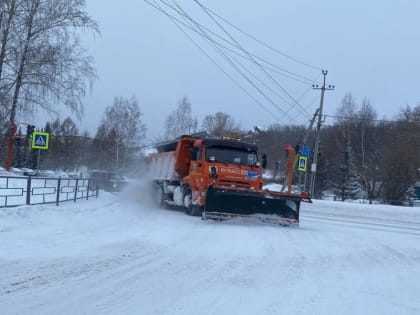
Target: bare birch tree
[
  {"x": 368, "y": 150},
  {"x": 43, "y": 64},
  {"x": 121, "y": 130},
  {"x": 8, "y": 11},
  {"x": 52, "y": 66},
  {"x": 220, "y": 124},
  {"x": 180, "y": 121}
]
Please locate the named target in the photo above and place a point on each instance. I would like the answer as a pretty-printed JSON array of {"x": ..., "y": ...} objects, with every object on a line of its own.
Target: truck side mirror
[{"x": 264, "y": 161}]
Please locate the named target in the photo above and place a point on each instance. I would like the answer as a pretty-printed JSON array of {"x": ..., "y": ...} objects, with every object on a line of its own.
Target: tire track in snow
[
  {"x": 163, "y": 269},
  {"x": 385, "y": 227},
  {"x": 94, "y": 277}
]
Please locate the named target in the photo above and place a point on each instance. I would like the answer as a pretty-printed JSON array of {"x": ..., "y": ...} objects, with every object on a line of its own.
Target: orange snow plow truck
[{"x": 219, "y": 179}]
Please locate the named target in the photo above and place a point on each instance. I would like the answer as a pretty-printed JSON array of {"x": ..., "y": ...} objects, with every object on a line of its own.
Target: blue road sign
[{"x": 305, "y": 151}]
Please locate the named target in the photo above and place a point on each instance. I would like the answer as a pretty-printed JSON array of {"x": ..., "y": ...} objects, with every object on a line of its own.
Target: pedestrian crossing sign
[
  {"x": 302, "y": 163},
  {"x": 40, "y": 140}
]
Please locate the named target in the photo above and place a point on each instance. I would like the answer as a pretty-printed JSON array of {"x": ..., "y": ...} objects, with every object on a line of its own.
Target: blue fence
[{"x": 17, "y": 191}]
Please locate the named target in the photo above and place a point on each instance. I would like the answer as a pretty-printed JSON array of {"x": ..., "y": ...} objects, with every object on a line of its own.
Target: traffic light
[{"x": 29, "y": 131}]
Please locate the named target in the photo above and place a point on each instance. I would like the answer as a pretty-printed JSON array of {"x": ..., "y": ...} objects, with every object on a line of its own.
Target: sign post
[{"x": 40, "y": 141}]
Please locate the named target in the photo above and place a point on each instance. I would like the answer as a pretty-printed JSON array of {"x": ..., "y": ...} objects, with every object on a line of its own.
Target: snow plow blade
[{"x": 227, "y": 202}]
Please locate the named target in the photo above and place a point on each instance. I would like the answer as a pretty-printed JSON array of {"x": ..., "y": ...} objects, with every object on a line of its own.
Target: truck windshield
[{"x": 231, "y": 155}]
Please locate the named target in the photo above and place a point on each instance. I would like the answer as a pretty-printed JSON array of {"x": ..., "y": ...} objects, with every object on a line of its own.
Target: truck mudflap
[{"x": 275, "y": 207}]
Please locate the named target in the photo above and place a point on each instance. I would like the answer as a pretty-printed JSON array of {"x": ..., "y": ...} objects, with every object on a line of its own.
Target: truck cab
[{"x": 222, "y": 162}]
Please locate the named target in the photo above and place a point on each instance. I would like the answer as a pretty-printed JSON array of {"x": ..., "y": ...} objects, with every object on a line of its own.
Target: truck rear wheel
[{"x": 159, "y": 196}]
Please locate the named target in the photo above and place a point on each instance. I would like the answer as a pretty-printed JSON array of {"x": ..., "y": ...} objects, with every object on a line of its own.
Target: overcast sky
[{"x": 370, "y": 49}]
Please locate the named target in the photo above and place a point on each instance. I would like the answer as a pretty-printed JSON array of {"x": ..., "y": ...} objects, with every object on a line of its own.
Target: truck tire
[
  {"x": 159, "y": 196},
  {"x": 189, "y": 208},
  {"x": 198, "y": 211},
  {"x": 187, "y": 201}
]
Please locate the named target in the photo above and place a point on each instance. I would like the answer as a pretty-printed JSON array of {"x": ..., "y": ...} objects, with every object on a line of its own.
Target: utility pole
[
  {"x": 318, "y": 129},
  {"x": 304, "y": 140}
]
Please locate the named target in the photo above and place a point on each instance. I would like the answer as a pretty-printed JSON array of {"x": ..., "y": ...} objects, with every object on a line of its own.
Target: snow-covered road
[{"x": 119, "y": 254}]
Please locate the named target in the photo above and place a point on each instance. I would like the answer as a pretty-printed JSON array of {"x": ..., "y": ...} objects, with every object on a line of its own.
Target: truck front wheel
[
  {"x": 189, "y": 208},
  {"x": 187, "y": 201}
]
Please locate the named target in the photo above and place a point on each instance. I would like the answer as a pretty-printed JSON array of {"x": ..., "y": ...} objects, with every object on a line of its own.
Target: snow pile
[{"x": 119, "y": 254}]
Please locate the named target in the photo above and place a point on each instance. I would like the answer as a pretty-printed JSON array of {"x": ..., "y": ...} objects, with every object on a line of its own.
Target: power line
[
  {"x": 212, "y": 60},
  {"x": 231, "y": 62},
  {"x": 261, "y": 42},
  {"x": 312, "y": 102},
  {"x": 364, "y": 119},
  {"x": 281, "y": 71},
  {"x": 181, "y": 12},
  {"x": 234, "y": 63},
  {"x": 258, "y": 64}
]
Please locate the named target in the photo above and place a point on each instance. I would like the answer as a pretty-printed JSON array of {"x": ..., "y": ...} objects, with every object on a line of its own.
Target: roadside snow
[{"x": 119, "y": 254}]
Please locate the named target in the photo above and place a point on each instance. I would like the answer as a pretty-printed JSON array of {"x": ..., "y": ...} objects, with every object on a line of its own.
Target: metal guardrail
[{"x": 17, "y": 191}]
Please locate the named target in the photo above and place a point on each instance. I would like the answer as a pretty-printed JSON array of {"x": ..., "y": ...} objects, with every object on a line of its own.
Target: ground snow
[{"x": 119, "y": 254}]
